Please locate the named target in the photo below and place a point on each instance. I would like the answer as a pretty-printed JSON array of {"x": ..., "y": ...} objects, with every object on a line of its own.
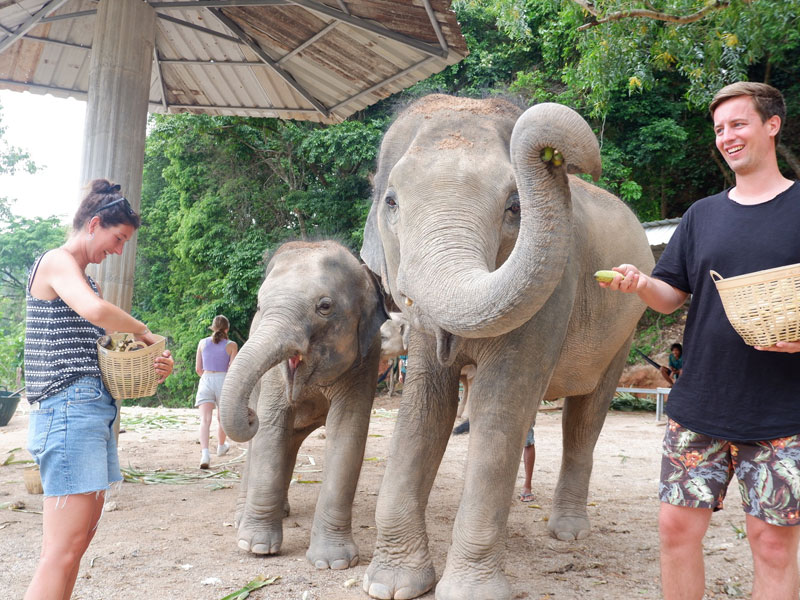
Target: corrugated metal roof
[
  {"x": 660, "y": 232},
  {"x": 294, "y": 59}
]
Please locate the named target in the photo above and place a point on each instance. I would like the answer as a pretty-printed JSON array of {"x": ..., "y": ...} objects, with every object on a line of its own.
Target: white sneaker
[
  {"x": 205, "y": 459},
  {"x": 222, "y": 449}
]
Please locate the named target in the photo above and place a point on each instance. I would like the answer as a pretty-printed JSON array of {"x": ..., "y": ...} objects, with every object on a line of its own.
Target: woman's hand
[
  {"x": 163, "y": 365},
  {"x": 789, "y": 347}
]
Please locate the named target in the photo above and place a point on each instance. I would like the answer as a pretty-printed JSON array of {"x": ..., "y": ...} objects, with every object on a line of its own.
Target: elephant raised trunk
[
  {"x": 260, "y": 353},
  {"x": 478, "y": 302}
]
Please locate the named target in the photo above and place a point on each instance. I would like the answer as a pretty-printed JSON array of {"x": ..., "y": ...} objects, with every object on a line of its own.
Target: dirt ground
[{"x": 177, "y": 540}]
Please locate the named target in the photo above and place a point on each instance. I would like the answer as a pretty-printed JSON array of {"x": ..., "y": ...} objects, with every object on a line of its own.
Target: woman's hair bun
[{"x": 104, "y": 186}]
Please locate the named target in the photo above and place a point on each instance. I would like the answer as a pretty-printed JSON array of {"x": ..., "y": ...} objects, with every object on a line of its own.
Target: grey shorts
[{"x": 529, "y": 439}]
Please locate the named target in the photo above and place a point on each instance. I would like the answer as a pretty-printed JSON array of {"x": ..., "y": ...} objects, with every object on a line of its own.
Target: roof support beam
[
  {"x": 215, "y": 3},
  {"x": 371, "y": 27},
  {"x": 32, "y": 22},
  {"x": 75, "y": 15},
  {"x": 258, "y": 109},
  {"x": 81, "y": 95},
  {"x": 253, "y": 45},
  {"x": 160, "y": 79},
  {"x": 383, "y": 83},
  {"x": 200, "y": 28},
  {"x": 435, "y": 23},
  {"x": 33, "y": 38},
  {"x": 211, "y": 63},
  {"x": 308, "y": 42}
]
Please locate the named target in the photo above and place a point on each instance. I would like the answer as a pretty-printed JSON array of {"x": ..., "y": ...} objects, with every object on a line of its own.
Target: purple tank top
[{"x": 214, "y": 356}]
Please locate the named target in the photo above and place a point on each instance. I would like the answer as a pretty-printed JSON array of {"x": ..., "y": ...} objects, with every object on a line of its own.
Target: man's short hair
[{"x": 767, "y": 100}]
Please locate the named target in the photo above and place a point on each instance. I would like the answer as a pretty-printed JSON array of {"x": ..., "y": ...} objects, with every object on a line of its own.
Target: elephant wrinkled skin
[
  {"x": 489, "y": 251},
  {"x": 311, "y": 360}
]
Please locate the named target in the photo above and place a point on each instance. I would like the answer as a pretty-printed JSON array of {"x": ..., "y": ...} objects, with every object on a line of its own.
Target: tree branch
[
  {"x": 726, "y": 174},
  {"x": 790, "y": 158},
  {"x": 647, "y": 14}
]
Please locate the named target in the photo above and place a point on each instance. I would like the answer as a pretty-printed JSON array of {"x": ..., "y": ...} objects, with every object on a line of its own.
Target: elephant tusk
[{"x": 409, "y": 301}]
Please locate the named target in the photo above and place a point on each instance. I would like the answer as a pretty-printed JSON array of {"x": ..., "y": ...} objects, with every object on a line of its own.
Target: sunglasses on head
[{"x": 123, "y": 201}]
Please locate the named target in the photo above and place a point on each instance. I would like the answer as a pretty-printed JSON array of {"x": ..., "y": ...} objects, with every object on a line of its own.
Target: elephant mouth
[
  {"x": 446, "y": 347},
  {"x": 292, "y": 365}
]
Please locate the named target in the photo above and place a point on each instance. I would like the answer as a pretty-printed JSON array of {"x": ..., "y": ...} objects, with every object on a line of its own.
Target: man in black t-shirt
[{"x": 735, "y": 408}]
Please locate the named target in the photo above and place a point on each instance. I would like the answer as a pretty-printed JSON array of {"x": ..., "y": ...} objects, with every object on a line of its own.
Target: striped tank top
[{"x": 60, "y": 345}]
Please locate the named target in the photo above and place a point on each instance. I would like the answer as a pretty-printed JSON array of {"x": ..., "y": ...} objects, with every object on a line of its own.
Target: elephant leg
[
  {"x": 401, "y": 565},
  {"x": 332, "y": 544},
  {"x": 474, "y": 567},
  {"x": 270, "y": 465},
  {"x": 582, "y": 420}
]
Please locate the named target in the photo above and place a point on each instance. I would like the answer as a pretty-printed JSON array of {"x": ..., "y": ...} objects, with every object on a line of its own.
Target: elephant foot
[
  {"x": 394, "y": 581},
  {"x": 333, "y": 553},
  {"x": 458, "y": 585},
  {"x": 568, "y": 526},
  {"x": 262, "y": 538}
]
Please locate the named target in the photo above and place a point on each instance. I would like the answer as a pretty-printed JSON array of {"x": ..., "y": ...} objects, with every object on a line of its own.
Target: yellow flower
[{"x": 634, "y": 83}]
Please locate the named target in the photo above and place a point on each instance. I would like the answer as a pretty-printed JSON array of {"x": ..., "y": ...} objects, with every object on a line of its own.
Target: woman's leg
[
  {"x": 206, "y": 410},
  {"x": 221, "y": 437},
  {"x": 68, "y": 525}
]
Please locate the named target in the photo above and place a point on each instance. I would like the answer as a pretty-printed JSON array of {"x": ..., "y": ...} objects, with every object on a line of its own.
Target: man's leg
[
  {"x": 529, "y": 459},
  {"x": 774, "y": 549},
  {"x": 681, "y": 530}
]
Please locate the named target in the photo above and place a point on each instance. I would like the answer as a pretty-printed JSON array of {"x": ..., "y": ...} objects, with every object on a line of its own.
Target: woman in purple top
[{"x": 214, "y": 354}]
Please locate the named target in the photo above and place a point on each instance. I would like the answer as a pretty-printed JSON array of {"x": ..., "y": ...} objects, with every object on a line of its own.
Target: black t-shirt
[{"x": 728, "y": 389}]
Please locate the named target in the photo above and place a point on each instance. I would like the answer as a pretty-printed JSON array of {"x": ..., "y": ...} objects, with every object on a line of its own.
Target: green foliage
[
  {"x": 21, "y": 241},
  {"x": 649, "y": 338},
  {"x": 625, "y": 402}
]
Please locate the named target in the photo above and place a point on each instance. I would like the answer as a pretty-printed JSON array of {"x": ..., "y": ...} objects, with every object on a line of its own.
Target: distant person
[
  {"x": 528, "y": 459},
  {"x": 70, "y": 432},
  {"x": 214, "y": 355},
  {"x": 734, "y": 408},
  {"x": 673, "y": 371}
]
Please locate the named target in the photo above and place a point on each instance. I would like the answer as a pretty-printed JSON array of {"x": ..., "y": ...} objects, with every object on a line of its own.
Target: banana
[{"x": 607, "y": 276}]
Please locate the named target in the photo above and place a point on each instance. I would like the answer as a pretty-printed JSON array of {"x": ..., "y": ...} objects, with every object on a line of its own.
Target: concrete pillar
[{"x": 116, "y": 121}]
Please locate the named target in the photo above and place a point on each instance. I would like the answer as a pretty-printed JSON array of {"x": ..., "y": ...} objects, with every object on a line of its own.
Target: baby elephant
[{"x": 311, "y": 360}]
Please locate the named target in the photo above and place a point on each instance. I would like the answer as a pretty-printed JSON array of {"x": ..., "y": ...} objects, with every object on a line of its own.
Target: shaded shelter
[{"x": 294, "y": 59}]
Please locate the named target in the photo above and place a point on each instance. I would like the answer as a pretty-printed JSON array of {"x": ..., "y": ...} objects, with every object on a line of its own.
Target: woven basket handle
[{"x": 715, "y": 276}]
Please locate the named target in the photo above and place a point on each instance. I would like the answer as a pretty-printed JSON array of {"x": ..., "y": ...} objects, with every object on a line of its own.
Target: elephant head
[
  {"x": 394, "y": 336},
  {"x": 319, "y": 311},
  {"x": 477, "y": 252}
]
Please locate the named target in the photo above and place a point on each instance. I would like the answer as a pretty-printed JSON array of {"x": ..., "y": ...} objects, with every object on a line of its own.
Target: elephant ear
[
  {"x": 374, "y": 313},
  {"x": 372, "y": 249}
]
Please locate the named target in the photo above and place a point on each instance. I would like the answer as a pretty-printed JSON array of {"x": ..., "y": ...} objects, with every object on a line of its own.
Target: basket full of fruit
[{"x": 127, "y": 366}]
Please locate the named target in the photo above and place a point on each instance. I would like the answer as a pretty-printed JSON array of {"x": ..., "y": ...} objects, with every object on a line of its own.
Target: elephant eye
[
  {"x": 325, "y": 306},
  {"x": 512, "y": 204},
  {"x": 390, "y": 200}
]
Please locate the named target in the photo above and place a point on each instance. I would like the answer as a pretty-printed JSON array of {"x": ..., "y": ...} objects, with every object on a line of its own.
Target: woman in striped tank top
[
  {"x": 214, "y": 354},
  {"x": 70, "y": 433}
]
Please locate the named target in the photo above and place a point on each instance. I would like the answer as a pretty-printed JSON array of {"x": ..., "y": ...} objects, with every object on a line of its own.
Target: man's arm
[{"x": 657, "y": 294}]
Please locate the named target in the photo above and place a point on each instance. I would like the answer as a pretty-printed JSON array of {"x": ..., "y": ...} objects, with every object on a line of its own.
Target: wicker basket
[
  {"x": 764, "y": 306},
  {"x": 130, "y": 374}
]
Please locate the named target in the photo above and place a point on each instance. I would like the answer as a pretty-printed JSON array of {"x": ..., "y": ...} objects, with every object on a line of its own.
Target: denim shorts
[
  {"x": 71, "y": 438},
  {"x": 696, "y": 470}
]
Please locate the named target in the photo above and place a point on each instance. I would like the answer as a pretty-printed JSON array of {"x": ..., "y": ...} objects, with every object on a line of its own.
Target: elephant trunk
[
  {"x": 266, "y": 348},
  {"x": 469, "y": 299}
]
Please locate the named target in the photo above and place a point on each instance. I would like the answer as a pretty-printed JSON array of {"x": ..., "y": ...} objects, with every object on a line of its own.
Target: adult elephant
[
  {"x": 489, "y": 248},
  {"x": 311, "y": 360}
]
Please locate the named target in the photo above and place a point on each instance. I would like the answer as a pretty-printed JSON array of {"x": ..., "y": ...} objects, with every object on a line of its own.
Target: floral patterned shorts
[{"x": 696, "y": 470}]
